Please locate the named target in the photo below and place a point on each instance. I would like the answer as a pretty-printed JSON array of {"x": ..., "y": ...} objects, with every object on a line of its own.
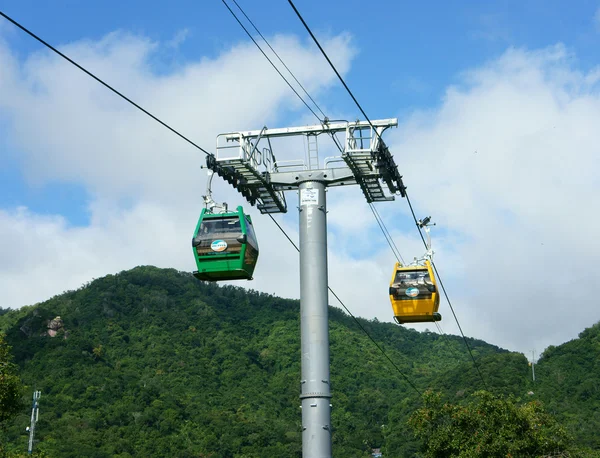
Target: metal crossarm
[
  {"x": 262, "y": 180},
  {"x": 366, "y": 176},
  {"x": 389, "y": 170},
  {"x": 249, "y": 182}
]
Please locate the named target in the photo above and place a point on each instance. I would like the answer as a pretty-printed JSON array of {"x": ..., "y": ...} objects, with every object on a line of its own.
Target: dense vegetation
[
  {"x": 488, "y": 425},
  {"x": 151, "y": 362},
  {"x": 10, "y": 388}
]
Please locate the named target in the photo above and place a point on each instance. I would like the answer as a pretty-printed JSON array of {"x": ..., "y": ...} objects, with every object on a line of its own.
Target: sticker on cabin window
[
  {"x": 218, "y": 245},
  {"x": 412, "y": 292},
  {"x": 309, "y": 197}
]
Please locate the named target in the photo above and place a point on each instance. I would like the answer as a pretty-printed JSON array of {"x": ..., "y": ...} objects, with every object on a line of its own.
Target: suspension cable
[
  {"x": 408, "y": 200},
  {"x": 378, "y": 218},
  {"x": 386, "y": 234},
  {"x": 380, "y": 222},
  {"x": 439, "y": 278},
  {"x": 280, "y": 59},
  {"x": 353, "y": 317},
  {"x": 207, "y": 153},
  {"x": 49, "y": 46},
  {"x": 270, "y": 61}
]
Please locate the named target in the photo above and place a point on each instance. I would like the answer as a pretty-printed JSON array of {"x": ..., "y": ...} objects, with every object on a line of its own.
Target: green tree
[
  {"x": 487, "y": 426},
  {"x": 10, "y": 383},
  {"x": 10, "y": 387}
]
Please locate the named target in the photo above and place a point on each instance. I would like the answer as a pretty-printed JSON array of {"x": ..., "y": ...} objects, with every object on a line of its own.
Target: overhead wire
[
  {"x": 335, "y": 140},
  {"x": 280, "y": 59},
  {"x": 379, "y": 220},
  {"x": 413, "y": 386},
  {"x": 49, "y": 46},
  {"x": 406, "y": 194},
  {"x": 325, "y": 118},
  {"x": 270, "y": 61},
  {"x": 439, "y": 278},
  {"x": 36, "y": 37},
  {"x": 386, "y": 233},
  {"x": 329, "y": 60}
]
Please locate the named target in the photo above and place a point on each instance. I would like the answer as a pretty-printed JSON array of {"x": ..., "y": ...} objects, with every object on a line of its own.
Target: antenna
[{"x": 35, "y": 413}]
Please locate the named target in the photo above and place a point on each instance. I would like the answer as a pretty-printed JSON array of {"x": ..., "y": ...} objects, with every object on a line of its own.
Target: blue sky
[
  {"x": 408, "y": 53},
  {"x": 403, "y": 45},
  {"x": 84, "y": 171}
]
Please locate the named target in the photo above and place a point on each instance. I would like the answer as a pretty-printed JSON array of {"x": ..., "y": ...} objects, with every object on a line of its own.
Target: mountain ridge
[{"x": 149, "y": 356}]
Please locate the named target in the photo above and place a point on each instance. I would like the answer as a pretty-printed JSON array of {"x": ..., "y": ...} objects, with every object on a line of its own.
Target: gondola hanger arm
[
  {"x": 425, "y": 224},
  {"x": 209, "y": 202}
]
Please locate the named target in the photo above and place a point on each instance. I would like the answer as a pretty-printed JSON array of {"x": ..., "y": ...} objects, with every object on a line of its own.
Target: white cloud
[
  {"x": 67, "y": 128},
  {"x": 43, "y": 256},
  {"x": 506, "y": 165},
  {"x": 512, "y": 160},
  {"x": 71, "y": 128}
]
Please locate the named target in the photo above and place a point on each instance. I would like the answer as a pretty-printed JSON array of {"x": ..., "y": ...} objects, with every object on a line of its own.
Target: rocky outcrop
[{"x": 55, "y": 326}]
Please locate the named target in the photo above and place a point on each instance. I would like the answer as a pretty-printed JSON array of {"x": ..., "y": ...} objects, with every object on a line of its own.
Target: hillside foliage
[
  {"x": 152, "y": 362},
  {"x": 488, "y": 425},
  {"x": 11, "y": 389}
]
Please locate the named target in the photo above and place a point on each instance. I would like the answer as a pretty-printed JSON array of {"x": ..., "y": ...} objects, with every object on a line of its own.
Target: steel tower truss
[{"x": 246, "y": 161}]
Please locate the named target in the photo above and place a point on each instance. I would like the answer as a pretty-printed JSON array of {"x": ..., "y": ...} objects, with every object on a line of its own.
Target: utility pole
[
  {"x": 35, "y": 413},
  {"x": 314, "y": 320},
  {"x": 364, "y": 160}
]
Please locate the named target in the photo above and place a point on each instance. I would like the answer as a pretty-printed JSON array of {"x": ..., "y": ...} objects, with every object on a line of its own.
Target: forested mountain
[
  {"x": 152, "y": 362},
  {"x": 568, "y": 381}
]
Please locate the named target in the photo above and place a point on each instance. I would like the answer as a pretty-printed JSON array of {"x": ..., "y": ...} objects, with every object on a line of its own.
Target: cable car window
[
  {"x": 228, "y": 230},
  {"x": 413, "y": 278},
  {"x": 251, "y": 236},
  {"x": 212, "y": 227}
]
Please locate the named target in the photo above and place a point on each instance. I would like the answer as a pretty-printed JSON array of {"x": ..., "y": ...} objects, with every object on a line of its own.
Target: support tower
[{"x": 246, "y": 161}]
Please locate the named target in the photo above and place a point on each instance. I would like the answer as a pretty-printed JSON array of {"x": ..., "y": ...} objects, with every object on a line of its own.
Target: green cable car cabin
[
  {"x": 414, "y": 294},
  {"x": 225, "y": 246}
]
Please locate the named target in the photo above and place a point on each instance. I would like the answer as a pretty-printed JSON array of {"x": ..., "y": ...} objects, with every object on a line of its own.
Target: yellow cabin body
[{"x": 414, "y": 294}]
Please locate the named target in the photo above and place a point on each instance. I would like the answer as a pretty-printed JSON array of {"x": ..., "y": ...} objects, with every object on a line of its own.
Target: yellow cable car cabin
[{"x": 414, "y": 294}]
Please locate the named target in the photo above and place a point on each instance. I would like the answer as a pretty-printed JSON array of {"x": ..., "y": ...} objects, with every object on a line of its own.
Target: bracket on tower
[{"x": 365, "y": 160}]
